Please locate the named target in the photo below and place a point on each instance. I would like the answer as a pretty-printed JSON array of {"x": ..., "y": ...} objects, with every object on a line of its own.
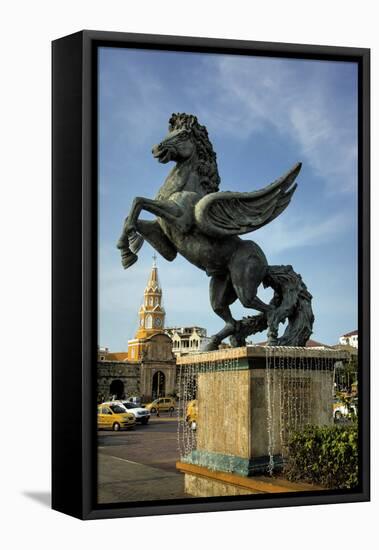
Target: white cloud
[
  {"x": 297, "y": 100},
  {"x": 299, "y": 231},
  {"x": 135, "y": 100},
  {"x": 235, "y": 97}
]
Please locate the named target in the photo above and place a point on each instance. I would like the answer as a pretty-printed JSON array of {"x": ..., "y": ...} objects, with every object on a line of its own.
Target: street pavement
[{"x": 139, "y": 464}]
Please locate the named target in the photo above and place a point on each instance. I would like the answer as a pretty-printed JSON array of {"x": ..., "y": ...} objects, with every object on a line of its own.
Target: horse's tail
[{"x": 291, "y": 301}]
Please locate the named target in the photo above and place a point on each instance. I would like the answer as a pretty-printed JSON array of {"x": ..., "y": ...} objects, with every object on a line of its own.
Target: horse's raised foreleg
[
  {"x": 130, "y": 242},
  {"x": 167, "y": 210},
  {"x": 153, "y": 234}
]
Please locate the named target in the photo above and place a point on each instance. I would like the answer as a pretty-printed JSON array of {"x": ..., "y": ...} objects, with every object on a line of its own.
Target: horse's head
[
  {"x": 187, "y": 139},
  {"x": 178, "y": 145}
]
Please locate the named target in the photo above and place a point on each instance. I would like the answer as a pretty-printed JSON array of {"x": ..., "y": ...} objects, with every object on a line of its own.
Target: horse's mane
[{"x": 207, "y": 165}]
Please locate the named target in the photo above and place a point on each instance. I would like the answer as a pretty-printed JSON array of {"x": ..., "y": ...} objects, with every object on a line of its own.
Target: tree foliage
[{"x": 326, "y": 456}]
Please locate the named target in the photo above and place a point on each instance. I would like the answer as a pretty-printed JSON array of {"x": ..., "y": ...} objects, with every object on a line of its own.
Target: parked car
[
  {"x": 343, "y": 409},
  {"x": 141, "y": 414},
  {"x": 191, "y": 414},
  {"x": 161, "y": 404},
  {"x": 114, "y": 416},
  {"x": 134, "y": 399}
]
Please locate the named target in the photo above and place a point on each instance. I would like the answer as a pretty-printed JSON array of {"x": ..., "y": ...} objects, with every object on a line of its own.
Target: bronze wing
[{"x": 230, "y": 213}]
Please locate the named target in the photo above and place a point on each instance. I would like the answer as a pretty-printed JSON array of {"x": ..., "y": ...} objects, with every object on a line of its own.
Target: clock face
[{"x": 158, "y": 322}]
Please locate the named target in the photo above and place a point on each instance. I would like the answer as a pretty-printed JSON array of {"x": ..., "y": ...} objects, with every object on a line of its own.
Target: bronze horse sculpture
[{"x": 196, "y": 220}]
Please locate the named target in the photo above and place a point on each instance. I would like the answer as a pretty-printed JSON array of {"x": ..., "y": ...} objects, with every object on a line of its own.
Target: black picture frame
[{"x": 74, "y": 271}]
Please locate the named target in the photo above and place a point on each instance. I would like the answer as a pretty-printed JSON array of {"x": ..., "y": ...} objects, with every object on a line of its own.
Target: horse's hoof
[
  {"x": 122, "y": 243},
  {"x": 135, "y": 242},
  {"x": 212, "y": 345},
  {"x": 128, "y": 258},
  {"x": 237, "y": 341}
]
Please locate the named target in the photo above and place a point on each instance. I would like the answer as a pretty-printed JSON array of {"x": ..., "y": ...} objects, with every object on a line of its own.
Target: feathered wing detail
[{"x": 230, "y": 213}]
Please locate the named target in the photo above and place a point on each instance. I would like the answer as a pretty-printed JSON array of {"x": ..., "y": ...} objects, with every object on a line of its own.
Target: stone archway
[
  {"x": 116, "y": 389},
  {"x": 158, "y": 384}
]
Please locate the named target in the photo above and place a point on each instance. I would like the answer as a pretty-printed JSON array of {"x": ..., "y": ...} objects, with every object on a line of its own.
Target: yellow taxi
[
  {"x": 191, "y": 413},
  {"x": 161, "y": 404},
  {"x": 113, "y": 416}
]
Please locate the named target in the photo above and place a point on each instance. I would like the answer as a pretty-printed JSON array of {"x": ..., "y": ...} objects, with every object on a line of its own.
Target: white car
[
  {"x": 141, "y": 414},
  {"x": 136, "y": 400},
  {"x": 341, "y": 410}
]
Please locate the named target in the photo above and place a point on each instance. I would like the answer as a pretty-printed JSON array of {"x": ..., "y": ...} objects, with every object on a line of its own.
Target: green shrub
[{"x": 326, "y": 456}]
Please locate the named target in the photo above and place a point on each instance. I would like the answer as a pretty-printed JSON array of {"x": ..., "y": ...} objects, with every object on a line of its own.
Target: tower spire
[
  {"x": 151, "y": 315},
  {"x": 153, "y": 282}
]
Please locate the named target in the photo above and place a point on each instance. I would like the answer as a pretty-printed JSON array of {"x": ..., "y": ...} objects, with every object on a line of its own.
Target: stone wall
[
  {"x": 134, "y": 378},
  {"x": 148, "y": 370},
  {"x": 110, "y": 371},
  {"x": 158, "y": 356},
  {"x": 224, "y": 402}
]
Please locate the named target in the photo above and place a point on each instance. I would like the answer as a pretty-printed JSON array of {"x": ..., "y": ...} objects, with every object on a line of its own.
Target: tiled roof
[
  {"x": 352, "y": 333},
  {"x": 315, "y": 344},
  {"x": 117, "y": 356}
]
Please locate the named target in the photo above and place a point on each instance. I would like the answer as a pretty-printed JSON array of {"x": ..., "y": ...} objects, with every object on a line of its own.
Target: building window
[
  {"x": 156, "y": 301},
  {"x": 149, "y": 321},
  {"x": 151, "y": 300}
]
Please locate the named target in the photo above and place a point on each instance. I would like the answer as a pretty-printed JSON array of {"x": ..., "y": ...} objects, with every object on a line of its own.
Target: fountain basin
[{"x": 249, "y": 400}]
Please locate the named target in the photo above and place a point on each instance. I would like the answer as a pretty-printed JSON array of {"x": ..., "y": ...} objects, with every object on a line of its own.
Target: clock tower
[{"x": 151, "y": 315}]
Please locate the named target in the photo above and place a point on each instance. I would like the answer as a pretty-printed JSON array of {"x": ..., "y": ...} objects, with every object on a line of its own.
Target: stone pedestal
[
  {"x": 249, "y": 400},
  {"x": 200, "y": 481}
]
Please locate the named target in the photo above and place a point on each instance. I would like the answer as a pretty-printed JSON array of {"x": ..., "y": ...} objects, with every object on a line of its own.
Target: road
[{"x": 139, "y": 464}]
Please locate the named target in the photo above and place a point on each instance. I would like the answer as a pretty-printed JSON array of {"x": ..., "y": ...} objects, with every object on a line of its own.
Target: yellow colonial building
[
  {"x": 151, "y": 317},
  {"x": 148, "y": 368}
]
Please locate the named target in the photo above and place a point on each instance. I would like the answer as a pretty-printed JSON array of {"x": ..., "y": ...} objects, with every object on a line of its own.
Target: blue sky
[{"x": 263, "y": 115}]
